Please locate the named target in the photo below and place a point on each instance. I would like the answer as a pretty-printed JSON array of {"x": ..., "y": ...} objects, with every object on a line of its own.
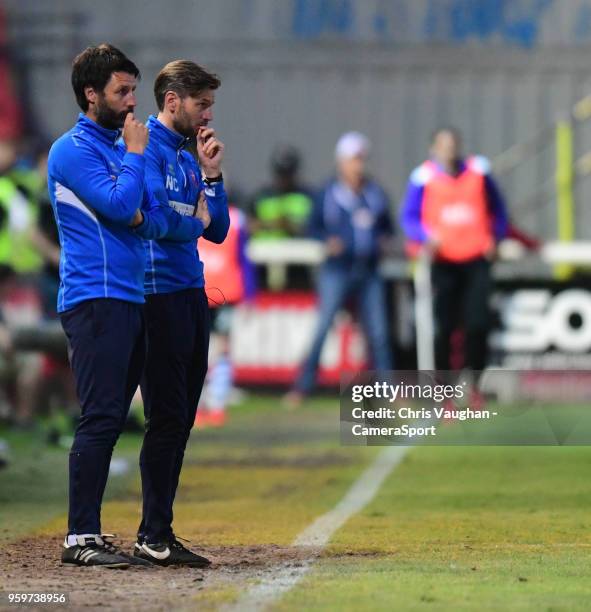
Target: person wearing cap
[{"x": 351, "y": 217}]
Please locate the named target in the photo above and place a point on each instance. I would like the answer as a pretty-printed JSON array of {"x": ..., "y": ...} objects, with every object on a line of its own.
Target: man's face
[
  {"x": 352, "y": 169},
  {"x": 193, "y": 112},
  {"x": 446, "y": 148},
  {"x": 116, "y": 100}
]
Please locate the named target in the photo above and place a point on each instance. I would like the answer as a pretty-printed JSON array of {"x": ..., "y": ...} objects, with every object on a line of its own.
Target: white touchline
[{"x": 276, "y": 581}]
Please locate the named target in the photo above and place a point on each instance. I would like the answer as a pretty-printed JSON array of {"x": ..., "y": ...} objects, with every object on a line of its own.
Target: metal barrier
[{"x": 309, "y": 252}]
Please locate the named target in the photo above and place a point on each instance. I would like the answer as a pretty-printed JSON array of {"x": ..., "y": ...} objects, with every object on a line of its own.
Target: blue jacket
[
  {"x": 174, "y": 176},
  {"x": 359, "y": 220},
  {"x": 95, "y": 188}
]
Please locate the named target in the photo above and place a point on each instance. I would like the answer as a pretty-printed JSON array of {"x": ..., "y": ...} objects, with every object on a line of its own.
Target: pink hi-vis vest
[{"x": 455, "y": 208}]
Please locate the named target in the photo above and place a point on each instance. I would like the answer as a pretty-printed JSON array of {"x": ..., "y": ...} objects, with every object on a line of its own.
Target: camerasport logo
[{"x": 539, "y": 328}]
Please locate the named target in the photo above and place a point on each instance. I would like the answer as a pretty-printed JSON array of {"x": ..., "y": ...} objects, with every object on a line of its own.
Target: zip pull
[{"x": 178, "y": 153}]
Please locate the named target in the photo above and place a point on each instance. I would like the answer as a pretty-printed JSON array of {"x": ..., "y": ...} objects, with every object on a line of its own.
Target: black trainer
[
  {"x": 131, "y": 559},
  {"x": 92, "y": 550},
  {"x": 171, "y": 552}
]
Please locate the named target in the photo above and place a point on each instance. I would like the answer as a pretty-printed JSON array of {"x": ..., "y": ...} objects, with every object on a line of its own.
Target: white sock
[
  {"x": 219, "y": 383},
  {"x": 72, "y": 539}
]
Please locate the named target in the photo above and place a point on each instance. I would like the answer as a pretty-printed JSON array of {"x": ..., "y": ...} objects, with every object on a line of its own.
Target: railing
[{"x": 559, "y": 186}]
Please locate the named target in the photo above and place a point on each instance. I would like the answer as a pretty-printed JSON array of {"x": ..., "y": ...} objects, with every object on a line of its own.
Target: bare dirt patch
[{"x": 33, "y": 565}]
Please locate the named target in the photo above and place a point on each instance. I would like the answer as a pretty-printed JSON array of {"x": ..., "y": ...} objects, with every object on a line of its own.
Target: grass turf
[
  {"x": 452, "y": 528},
  {"x": 259, "y": 480},
  {"x": 463, "y": 528}
]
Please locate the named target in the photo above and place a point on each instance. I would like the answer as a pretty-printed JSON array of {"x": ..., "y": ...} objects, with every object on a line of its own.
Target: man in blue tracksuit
[
  {"x": 103, "y": 212},
  {"x": 177, "y": 316}
]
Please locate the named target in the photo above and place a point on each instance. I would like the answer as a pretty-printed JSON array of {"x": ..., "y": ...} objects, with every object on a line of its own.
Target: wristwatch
[{"x": 214, "y": 179}]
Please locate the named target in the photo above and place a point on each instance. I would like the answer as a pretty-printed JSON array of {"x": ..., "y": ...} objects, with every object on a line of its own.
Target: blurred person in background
[
  {"x": 46, "y": 239},
  {"x": 30, "y": 177},
  {"x": 20, "y": 372},
  {"x": 229, "y": 280},
  {"x": 454, "y": 209},
  {"x": 23, "y": 186},
  {"x": 281, "y": 210},
  {"x": 18, "y": 212},
  {"x": 352, "y": 218},
  {"x": 57, "y": 388}
]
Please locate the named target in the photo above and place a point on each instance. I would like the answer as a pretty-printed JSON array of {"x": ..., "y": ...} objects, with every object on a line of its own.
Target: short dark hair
[
  {"x": 285, "y": 160},
  {"x": 185, "y": 78},
  {"x": 94, "y": 67},
  {"x": 446, "y": 129}
]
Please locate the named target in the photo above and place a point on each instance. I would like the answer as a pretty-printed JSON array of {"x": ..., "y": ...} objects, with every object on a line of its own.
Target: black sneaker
[
  {"x": 92, "y": 550},
  {"x": 131, "y": 559},
  {"x": 171, "y": 552}
]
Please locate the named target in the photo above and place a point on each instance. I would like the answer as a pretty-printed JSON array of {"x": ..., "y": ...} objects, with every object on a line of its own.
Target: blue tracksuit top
[
  {"x": 173, "y": 175},
  {"x": 95, "y": 188}
]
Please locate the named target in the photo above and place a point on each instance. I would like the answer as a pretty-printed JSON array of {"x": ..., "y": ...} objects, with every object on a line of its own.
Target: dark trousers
[
  {"x": 462, "y": 292},
  {"x": 335, "y": 285},
  {"x": 176, "y": 364},
  {"x": 106, "y": 345}
]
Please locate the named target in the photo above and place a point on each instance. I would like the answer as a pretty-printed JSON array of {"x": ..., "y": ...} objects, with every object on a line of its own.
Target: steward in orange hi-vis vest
[
  {"x": 460, "y": 214},
  {"x": 224, "y": 265},
  {"x": 464, "y": 211}
]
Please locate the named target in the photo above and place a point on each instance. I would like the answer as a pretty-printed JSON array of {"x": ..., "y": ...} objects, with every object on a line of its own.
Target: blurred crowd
[
  {"x": 447, "y": 198},
  {"x": 34, "y": 373}
]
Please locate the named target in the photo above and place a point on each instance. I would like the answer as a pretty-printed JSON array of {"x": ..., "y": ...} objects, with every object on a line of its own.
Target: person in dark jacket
[{"x": 352, "y": 218}]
